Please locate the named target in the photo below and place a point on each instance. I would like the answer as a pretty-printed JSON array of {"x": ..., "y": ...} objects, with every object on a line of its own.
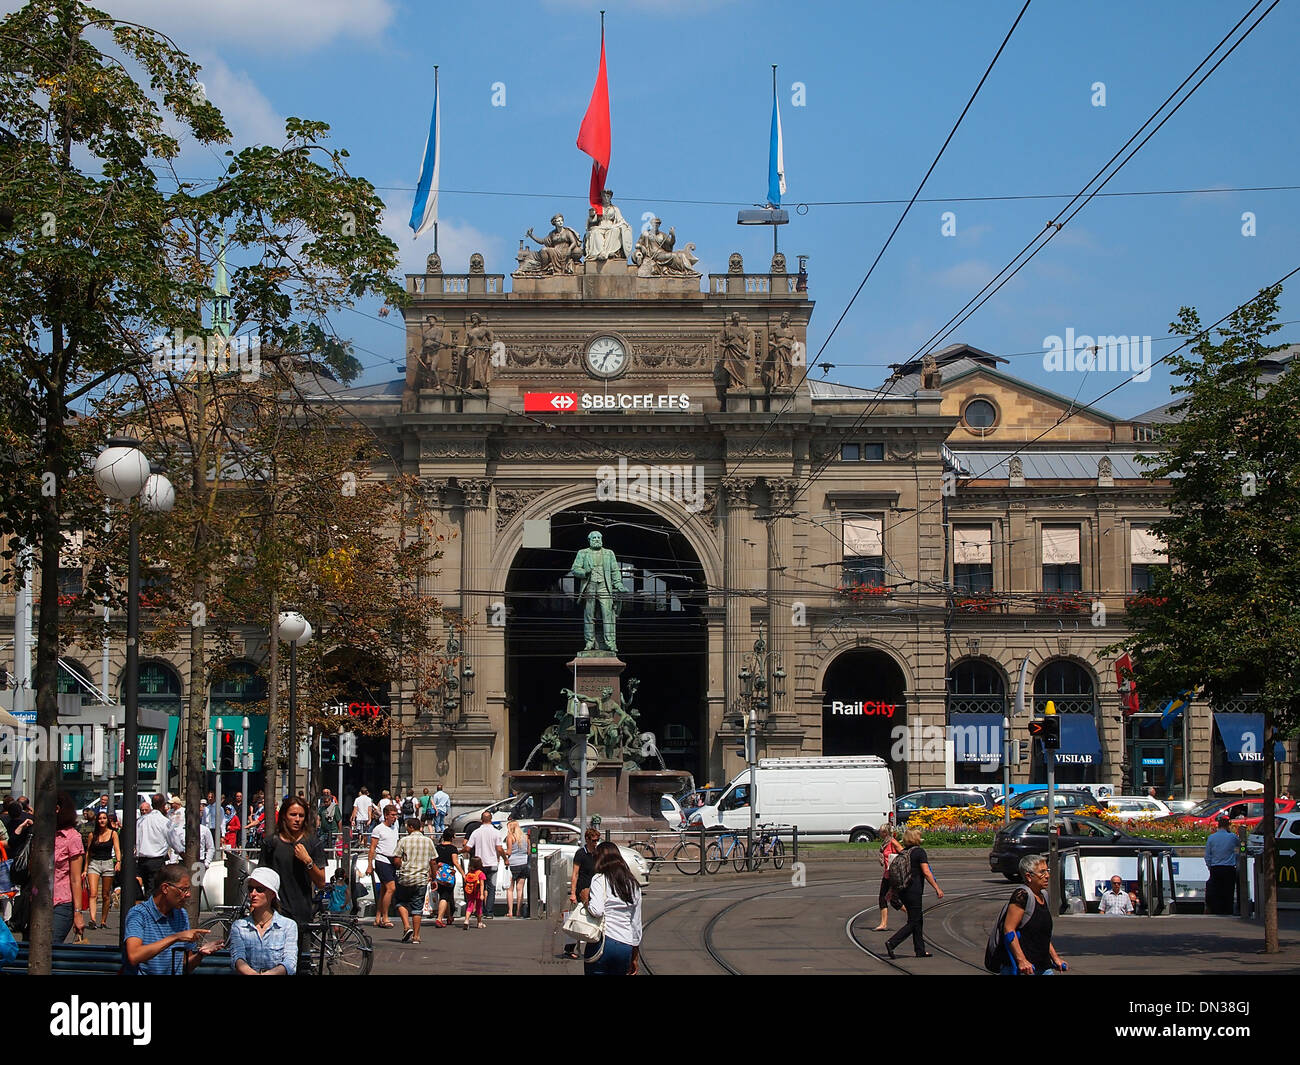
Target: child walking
[{"x": 475, "y": 881}]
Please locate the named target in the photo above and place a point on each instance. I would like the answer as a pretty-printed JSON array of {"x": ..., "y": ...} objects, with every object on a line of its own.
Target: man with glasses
[
  {"x": 1116, "y": 901},
  {"x": 160, "y": 923}
]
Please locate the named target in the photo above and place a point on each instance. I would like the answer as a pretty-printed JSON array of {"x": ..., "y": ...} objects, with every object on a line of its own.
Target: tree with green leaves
[
  {"x": 1224, "y": 619},
  {"x": 108, "y": 249}
]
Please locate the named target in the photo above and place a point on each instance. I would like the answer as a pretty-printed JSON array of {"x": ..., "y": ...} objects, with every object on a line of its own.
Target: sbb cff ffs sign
[{"x": 1047, "y": 729}]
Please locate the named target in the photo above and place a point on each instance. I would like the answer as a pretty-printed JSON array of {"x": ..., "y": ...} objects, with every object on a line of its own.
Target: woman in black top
[
  {"x": 447, "y": 855},
  {"x": 1029, "y": 945},
  {"x": 295, "y": 852},
  {"x": 914, "y": 853},
  {"x": 104, "y": 854}
]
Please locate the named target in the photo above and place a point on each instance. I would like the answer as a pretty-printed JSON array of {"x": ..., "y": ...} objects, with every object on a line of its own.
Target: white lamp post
[
  {"x": 294, "y": 630},
  {"x": 122, "y": 473}
]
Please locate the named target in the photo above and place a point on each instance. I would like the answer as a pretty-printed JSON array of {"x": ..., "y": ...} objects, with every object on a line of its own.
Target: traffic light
[
  {"x": 1052, "y": 733},
  {"x": 227, "y": 763},
  {"x": 347, "y": 746},
  {"x": 329, "y": 749}
]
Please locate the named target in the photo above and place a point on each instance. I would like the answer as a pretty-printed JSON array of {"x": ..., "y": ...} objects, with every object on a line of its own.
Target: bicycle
[
  {"x": 336, "y": 945},
  {"x": 728, "y": 846},
  {"x": 686, "y": 857},
  {"x": 646, "y": 849},
  {"x": 768, "y": 847}
]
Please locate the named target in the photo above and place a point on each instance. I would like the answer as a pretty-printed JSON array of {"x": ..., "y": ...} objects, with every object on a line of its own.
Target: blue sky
[{"x": 690, "y": 87}]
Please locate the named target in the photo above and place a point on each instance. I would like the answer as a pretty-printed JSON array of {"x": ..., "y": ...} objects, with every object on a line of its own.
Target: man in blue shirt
[
  {"x": 1221, "y": 858},
  {"x": 160, "y": 923}
]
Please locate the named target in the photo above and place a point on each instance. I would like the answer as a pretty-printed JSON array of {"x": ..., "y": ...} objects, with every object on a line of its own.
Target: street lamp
[
  {"x": 754, "y": 690},
  {"x": 123, "y": 472},
  {"x": 294, "y": 630}
]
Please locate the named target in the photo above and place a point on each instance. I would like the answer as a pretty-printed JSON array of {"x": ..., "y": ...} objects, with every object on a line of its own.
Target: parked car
[
  {"x": 1065, "y": 799},
  {"x": 671, "y": 811},
  {"x": 1286, "y": 829},
  {"x": 1133, "y": 807},
  {"x": 915, "y": 801},
  {"x": 503, "y": 810},
  {"x": 1178, "y": 807},
  {"x": 1029, "y": 836},
  {"x": 1241, "y": 810}
]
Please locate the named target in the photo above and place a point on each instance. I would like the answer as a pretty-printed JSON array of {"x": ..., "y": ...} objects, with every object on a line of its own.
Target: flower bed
[{"x": 862, "y": 593}]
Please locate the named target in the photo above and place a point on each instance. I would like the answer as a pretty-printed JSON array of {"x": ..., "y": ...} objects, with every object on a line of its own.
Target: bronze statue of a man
[{"x": 602, "y": 580}]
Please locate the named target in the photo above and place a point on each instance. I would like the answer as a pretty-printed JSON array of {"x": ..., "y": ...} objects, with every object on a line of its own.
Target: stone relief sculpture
[
  {"x": 475, "y": 370},
  {"x": 778, "y": 264},
  {"x": 780, "y": 362},
  {"x": 476, "y": 263},
  {"x": 433, "y": 264},
  {"x": 735, "y": 264},
  {"x": 558, "y": 252},
  {"x": 422, "y": 363},
  {"x": 737, "y": 348},
  {"x": 655, "y": 255},
  {"x": 608, "y": 234}
]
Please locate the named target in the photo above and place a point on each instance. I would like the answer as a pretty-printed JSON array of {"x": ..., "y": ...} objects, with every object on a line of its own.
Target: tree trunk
[
  {"x": 46, "y": 776},
  {"x": 1268, "y": 860},
  {"x": 196, "y": 726}
]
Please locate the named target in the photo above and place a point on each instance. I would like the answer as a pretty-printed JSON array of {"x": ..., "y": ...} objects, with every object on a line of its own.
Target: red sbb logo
[{"x": 549, "y": 401}]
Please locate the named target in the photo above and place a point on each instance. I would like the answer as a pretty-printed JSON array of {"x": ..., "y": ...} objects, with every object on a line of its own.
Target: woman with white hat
[{"x": 265, "y": 943}]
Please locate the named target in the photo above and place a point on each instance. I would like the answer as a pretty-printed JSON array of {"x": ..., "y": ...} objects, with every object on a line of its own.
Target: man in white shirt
[
  {"x": 383, "y": 842},
  {"x": 361, "y": 812},
  {"x": 441, "y": 808},
  {"x": 485, "y": 844},
  {"x": 207, "y": 847},
  {"x": 151, "y": 843},
  {"x": 1115, "y": 901}
]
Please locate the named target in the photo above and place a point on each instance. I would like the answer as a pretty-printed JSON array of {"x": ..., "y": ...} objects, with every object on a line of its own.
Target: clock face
[{"x": 606, "y": 356}]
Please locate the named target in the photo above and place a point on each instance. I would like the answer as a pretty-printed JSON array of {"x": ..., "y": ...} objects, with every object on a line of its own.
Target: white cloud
[
  {"x": 249, "y": 114},
  {"x": 456, "y": 242},
  {"x": 266, "y": 25},
  {"x": 971, "y": 273}
]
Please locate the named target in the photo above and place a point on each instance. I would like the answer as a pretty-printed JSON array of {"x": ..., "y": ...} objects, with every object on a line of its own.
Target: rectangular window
[
  {"x": 850, "y": 452},
  {"x": 1147, "y": 553},
  {"x": 1062, "y": 571},
  {"x": 864, "y": 550},
  {"x": 862, "y": 452},
  {"x": 972, "y": 554},
  {"x": 71, "y": 577}
]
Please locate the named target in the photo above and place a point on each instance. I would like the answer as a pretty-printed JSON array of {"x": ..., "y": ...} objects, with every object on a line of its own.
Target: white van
[{"x": 829, "y": 798}]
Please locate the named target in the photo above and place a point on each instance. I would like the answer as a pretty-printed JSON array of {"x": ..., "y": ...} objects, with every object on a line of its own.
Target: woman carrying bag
[
  {"x": 888, "y": 848},
  {"x": 616, "y": 897}
]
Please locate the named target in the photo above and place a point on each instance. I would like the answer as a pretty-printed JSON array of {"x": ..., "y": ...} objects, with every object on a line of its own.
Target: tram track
[{"x": 945, "y": 902}]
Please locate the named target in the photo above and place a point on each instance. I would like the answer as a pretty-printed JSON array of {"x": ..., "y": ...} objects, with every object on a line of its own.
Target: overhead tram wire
[
  {"x": 884, "y": 247},
  {"x": 1055, "y": 226}
]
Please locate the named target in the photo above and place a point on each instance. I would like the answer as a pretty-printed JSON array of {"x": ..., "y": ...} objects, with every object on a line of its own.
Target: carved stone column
[
  {"x": 780, "y": 548},
  {"x": 475, "y": 553},
  {"x": 737, "y": 553}
]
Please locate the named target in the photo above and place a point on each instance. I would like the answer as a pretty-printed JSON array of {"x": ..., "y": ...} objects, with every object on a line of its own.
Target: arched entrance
[
  {"x": 361, "y": 694},
  {"x": 864, "y": 703},
  {"x": 977, "y": 702},
  {"x": 662, "y": 633}
]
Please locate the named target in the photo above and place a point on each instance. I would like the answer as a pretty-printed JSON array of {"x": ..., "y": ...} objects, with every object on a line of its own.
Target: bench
[{"x": 74, "y": 959}]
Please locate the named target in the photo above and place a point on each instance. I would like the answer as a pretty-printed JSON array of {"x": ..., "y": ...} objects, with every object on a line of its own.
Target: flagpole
[
  {"x": 774, "y": 228},
  {"x": 435, "y": 97}
]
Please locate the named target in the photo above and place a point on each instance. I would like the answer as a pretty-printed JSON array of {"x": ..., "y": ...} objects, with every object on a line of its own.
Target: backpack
[
  {"x": 995, "y": 951},
  {"x": 408, "y": 807},
  {"x": 900, "y": 872}
]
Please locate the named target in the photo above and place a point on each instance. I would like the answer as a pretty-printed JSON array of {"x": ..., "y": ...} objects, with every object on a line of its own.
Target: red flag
[
  {"x": 594, "y": 136},
  {"x": 1128, "y": 693}
]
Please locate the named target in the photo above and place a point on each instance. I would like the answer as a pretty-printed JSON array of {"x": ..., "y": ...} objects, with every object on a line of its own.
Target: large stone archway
[
  {"x": 662, "y": 630},
  {"x": 864, "y": 704}
]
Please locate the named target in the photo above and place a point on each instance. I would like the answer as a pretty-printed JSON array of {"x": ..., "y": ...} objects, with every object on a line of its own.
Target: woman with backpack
[
  {"x": 888, "y": 848},
  {"x": 908, "y": 884},
  {"x": 1026, "y": 925}
]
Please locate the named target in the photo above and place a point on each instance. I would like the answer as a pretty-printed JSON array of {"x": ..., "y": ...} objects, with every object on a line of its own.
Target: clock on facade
[{"x": 606, "y": 356}]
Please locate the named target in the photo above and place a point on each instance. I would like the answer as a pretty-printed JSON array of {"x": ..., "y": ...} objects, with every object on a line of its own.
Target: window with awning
[
  {"x": 1243, "y": 738},
  {"x": 864, "y": 549},
  {"x": 1147, "y": 553},
  {"x": 976, "y": 738},
  {"x": 972, "y": 553},
  {"x": 1062, "y": 571}
]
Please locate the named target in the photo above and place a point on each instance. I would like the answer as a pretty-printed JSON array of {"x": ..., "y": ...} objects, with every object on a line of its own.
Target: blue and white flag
[
  {"x": 424, "y": 212},
  {"x": 775, "y": 157}
]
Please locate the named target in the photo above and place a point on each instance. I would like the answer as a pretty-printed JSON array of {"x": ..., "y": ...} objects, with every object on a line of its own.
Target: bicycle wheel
[
  {"x": 348, "y": 950},
  {"x": 739, "y": 856},
  {"x": 778, "y": 853},
  {"x": 713, "y": 857},
  {"x": 646, "y": 850},
  {"x": 686, "y": 856},
  {"x": 219, "y": 929}
]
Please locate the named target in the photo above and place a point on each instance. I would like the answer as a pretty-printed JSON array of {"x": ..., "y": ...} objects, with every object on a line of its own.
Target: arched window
[
  {"x": 976, "y": 705},
  {"x": 1070, "y": 687}
]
